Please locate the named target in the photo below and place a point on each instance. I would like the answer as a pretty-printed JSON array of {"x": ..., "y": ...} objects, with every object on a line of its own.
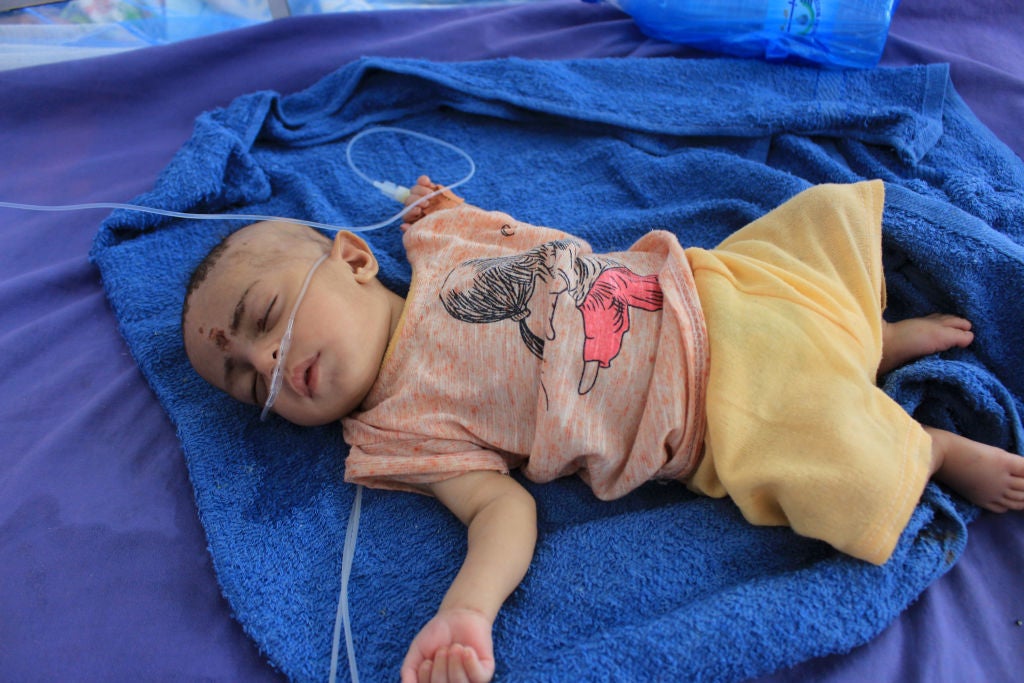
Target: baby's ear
[{"x": 351, "y": 249}]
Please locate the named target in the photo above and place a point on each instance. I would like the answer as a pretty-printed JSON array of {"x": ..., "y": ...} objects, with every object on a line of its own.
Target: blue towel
[{"x": 660, "y": 585}]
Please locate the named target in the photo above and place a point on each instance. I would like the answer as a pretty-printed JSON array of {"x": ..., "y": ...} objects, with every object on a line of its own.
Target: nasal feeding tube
[
  {"x": 400, "y": 194},
  {"x": 276, "y": 378},
  {"x": 396, "y": 192},
  {"x": 341, "y": 617},
  {"x": 342, "y": 621}
]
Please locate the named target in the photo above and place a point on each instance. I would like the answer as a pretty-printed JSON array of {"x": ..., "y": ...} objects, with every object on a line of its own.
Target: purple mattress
[{"x": 104, "y": 573}]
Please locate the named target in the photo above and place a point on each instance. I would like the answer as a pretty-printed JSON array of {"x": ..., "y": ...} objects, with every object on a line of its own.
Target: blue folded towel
[{"x": 660, "y": 585}]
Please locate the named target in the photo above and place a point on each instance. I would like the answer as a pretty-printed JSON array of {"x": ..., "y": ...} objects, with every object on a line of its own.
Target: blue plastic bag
[{"x": 832, "y": 33}]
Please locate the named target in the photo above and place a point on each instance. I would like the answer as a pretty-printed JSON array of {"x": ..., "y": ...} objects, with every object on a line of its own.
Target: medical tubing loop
[{"x": 412, "y": 133}]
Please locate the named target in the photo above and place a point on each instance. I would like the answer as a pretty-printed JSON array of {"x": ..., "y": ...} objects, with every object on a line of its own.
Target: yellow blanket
[{"x": 798, "y": 432}]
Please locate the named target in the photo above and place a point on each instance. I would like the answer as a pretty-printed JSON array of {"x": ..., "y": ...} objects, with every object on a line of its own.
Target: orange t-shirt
[{"x": 519, "y": 347}]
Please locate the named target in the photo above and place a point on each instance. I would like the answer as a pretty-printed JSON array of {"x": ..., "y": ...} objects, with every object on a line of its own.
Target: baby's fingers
[
  {"x": 443, "y": 668},
  {"x": 474, "y": 669},
  {"x": 435, "y": 670},
  {"x": 459, "y": 664}
]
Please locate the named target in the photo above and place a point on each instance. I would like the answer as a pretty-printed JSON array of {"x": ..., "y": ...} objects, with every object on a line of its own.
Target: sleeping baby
[{"x": 748, "y": 370}]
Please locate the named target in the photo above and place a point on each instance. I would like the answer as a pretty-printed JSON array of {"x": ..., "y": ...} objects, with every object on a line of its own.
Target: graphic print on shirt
[{"x": 525, "y": 289}]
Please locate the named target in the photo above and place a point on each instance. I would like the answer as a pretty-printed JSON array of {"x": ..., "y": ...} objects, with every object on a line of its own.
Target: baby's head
[{"x": 237, "y": 307}]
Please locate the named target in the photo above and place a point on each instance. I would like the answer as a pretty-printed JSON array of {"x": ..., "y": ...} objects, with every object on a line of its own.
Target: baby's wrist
[{"x": 468, "y": 610}]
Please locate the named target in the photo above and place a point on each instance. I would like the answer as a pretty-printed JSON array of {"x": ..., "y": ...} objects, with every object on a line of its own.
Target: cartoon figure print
[{"x": 525, "y": 288}]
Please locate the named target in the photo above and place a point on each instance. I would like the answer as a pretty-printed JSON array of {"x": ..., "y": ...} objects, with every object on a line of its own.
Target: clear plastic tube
[
  {"x": 341, "y": 618},
  {"x": 403, "y": 131},
  {"x": 277, "y": 378},
  {"x": 254, "y": 218}
]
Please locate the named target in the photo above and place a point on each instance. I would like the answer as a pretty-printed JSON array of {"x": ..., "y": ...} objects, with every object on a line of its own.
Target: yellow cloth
[{"x": 798, "y": 433}]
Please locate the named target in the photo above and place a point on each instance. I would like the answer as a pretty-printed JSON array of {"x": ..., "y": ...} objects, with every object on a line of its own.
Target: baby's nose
[{"x": 264, "y": 357}]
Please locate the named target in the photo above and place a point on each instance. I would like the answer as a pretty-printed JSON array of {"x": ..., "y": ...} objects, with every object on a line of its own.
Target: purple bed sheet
[{"x": 104, "y": 574}]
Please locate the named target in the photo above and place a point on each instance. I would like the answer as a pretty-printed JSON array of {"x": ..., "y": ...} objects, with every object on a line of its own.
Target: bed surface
[{"x": 105, "y": 573}]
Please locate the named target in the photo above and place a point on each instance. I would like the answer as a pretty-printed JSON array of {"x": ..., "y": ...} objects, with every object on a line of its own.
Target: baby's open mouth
[{"x": 304, "y": 378}]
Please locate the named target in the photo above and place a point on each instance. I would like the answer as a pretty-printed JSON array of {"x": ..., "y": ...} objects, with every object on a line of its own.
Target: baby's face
[{"x": 237, "y": 317}]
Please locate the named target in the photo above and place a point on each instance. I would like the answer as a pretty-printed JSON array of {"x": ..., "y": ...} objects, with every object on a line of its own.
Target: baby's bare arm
[{"x": 502, "y": 526}]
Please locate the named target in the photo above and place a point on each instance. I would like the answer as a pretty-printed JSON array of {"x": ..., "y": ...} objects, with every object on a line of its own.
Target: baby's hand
[
  {"x": 423, "y": 187},
  {"x": 454, "y": 646}
]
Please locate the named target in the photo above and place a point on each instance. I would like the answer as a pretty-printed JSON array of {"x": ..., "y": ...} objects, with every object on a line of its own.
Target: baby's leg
[
  {"x": 909, "y": 339},
  {"x": 985, "y": 475},
  {"x": 423, "y": 187}
]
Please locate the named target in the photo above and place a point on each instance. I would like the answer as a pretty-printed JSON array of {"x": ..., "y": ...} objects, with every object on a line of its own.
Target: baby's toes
[
  {"x": 957, "y": 333},
  {"x": 949, "y": 320}
]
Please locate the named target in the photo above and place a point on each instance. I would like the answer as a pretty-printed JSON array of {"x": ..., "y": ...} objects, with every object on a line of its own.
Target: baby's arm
[{"x": 502, "y": 527}]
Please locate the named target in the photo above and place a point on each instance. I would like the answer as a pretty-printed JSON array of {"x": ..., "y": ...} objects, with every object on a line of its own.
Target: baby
[{"x": 748, "y": 371}]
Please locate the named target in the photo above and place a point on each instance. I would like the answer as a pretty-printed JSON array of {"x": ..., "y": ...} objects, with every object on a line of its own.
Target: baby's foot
[
  {"x": 423, "y": 188},
  {"x": 985, "y": 475},
  {"x": 909, "y": 339}
]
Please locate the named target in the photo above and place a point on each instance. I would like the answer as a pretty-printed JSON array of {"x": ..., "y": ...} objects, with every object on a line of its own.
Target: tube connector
[{"x": 396, "y": 192}]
